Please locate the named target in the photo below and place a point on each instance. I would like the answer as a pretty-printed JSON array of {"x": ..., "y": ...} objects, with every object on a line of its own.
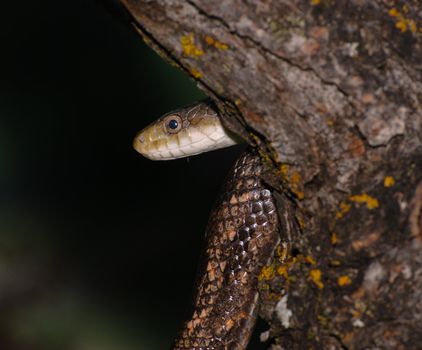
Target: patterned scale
[{"x": 241, "y": 236}]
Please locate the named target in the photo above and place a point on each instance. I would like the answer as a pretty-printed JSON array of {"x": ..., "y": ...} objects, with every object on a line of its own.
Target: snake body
[{"x": 241, "y": 234}]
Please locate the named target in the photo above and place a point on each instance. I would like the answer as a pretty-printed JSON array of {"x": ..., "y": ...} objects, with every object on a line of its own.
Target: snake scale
[{"x": 241, "y": 234}]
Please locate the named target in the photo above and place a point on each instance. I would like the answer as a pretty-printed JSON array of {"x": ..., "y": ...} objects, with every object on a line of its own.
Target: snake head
[{"x": 182, "y": 133}]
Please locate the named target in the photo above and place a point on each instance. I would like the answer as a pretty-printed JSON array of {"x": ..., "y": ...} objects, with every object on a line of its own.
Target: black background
[{"x": 98, "y": 246}]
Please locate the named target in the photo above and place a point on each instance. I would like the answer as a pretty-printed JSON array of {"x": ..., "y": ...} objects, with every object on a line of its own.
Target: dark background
[{"x": 98, "y": 246}]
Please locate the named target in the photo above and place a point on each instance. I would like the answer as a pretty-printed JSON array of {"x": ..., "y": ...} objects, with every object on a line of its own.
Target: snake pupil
[{"x": 173, "y": 124}]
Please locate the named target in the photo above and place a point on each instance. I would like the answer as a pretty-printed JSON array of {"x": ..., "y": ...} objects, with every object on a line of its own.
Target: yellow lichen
[
  {"x": 344, "y": 280},
  {"x": 196, "y": 73},
  {"x": 299, "y": 194},
  {"x": 189, "y": 47},
  {"x": 389, "y": 181},
  {"x": 412, "y": 26},
  {"x": 355, "y": 313},
  {"x": 209, "y": 40},
  {"x": 334, "y": 239},
  {"x": 217, "y": 44},
  {"x": 363, "y": 198},
  {"x": 309, "y": 259},
  {"x": 315, "y": 276},
  {"x": 315, "y": 2},
  {"x": 282, "y": 271},
  {"x": 282, "y": 252},
  {"x": 403, "y": 23},
  {"x": 294, "y": 180},
  {"x": 344, "y": 208},
  {"x": 254, "y": 138},
  {"x": 284, "y": 170},
  {"x": 267, "y": 273},
  {"x": 221, "y": 46},
  {"x": 264, "y": 156},
  {"x": 335, "y": 262}
]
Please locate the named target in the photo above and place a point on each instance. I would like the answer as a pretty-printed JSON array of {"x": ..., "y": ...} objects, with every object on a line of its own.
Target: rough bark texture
[{"x": 331, "y": 92}]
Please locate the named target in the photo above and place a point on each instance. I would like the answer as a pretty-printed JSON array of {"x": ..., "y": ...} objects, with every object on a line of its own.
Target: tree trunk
[{"x": 330, "y": 92}]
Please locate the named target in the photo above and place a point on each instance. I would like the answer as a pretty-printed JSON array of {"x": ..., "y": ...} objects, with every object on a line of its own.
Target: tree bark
[{"x": 330, "y": 92}]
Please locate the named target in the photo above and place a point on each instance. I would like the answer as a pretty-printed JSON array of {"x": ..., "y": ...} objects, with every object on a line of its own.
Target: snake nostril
[{"x": 141, "y": 138}]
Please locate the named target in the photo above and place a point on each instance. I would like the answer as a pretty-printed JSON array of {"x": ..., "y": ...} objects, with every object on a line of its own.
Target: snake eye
[{"x": 173, "y": 124}]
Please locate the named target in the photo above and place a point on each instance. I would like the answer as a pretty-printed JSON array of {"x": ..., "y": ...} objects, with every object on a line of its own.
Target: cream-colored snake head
[{"x": 182, "y": 133}]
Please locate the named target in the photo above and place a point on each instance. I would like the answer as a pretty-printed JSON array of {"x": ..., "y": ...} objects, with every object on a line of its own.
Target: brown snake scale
[{"x": 241, "y": 236}]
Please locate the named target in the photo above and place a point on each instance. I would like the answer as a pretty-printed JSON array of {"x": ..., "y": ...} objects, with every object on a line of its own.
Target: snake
[{"x": 240, "y": 237}]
